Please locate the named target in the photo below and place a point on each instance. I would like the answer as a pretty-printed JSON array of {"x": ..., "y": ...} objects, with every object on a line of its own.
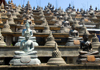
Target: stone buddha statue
[
  {"x": 73, "y": 32},
  {"x": 73, "y": 39},
  {"x": 27, "y": 45},
  {"x": 85, "y": 45},
  {"x": 87, "y": 55},
  {"x": 27, "y": 56},
  {"x": 91, "y": 11}
]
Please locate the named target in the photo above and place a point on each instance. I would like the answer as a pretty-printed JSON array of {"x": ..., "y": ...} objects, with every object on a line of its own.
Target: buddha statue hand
[{"x": 87, "y": 43}]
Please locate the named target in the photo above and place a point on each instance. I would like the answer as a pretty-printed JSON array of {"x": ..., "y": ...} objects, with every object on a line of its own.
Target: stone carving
[
  {"x": 75, "y": 24},
  {"x": 6, "y": 27},
  {"x": 91, "y": 11},
  {"x": 27, "y": 56},
  {"x": 96, "y": 10},
  {"x": 2, "y": 43},
  {"x": 44, "y": 22},
  {"x": 17, "y": 11},
  {"x": 50, "y": 41},
  {"x": 95, "y": 41},
  {"x": 87, "y": 55},
  {"x": 23, "y": 38},
  {"x": 70, "y": 18},
  {"x": 73, "y": 39},
  {"x": 94, "y": 16},
  {"x": 66, "y": 24},
  {"x": 23, "y": 27},
  {"x": 14, "y": 14},
  {"x": 11, "y": 20},
  {"x": 64, "y": 29},
  {"x": 46, "y": 29},
  {"x": 83, "y": 30},
  {"x": 56, "y": 58},
  {"x": 73, "y": 13},
  {"x": 86, "y": 14},
  {"x": 78, "y": 12},
  {"x": 69, "y": 9},
  {"x": 2, "y": 8},
  {"x": 58, "y": 23}
]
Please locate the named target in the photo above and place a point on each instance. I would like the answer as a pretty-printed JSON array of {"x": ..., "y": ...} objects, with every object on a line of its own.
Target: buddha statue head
[
  {"x": 85, "y": 37},
  {"x": 66, "y": 24},
  {"x": 74, "y": 33},
  {"x": 27, "y": 33}
]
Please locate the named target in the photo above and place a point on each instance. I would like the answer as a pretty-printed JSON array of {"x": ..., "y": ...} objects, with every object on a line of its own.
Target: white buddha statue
[
  {"x": 27, "y": 56},
  {"x": 26, "y": 45}
]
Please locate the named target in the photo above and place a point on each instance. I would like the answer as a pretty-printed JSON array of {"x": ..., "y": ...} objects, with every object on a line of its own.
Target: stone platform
[
  {"x": 52, "y": 67},
  {"x": 69, "y": 53},
  {"x": 44, "y": 51}
]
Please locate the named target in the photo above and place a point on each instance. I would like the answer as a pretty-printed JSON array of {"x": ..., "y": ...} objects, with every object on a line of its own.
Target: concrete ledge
[
  {"x": 43, "y": 51},
  {"x": 53, "y": 67}
]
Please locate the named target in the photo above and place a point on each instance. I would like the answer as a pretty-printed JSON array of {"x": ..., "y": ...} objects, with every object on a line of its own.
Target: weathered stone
[
  {"x": 11, "y": 20},
  {"x": 28, "y": 55},
  {"x": 83, "y": 30},
  {"x": 73, "y": 39},
  {"x": 6, "y": 27},
  {"x": 56, "y": 57},
  {"x": 95, "y": 41},
  {"x": 2, "y": 43},
  {"x": 87, "y": 54},
  {"x": 46, "y": 29},
  {"x": 50, "y": 41}
]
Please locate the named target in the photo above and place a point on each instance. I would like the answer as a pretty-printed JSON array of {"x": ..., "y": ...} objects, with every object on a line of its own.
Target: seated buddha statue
[
  {"x": 27, "y": 56},
  {"x": 87, "y": 55},
  {"x": 85, "y": 45},
  {"x": 26, "y": 45},
  {"x": 73, "y": 39}
]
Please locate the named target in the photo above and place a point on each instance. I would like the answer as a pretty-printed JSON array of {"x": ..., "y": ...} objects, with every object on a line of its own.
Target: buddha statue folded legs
[{"x": 25, "y": 53}]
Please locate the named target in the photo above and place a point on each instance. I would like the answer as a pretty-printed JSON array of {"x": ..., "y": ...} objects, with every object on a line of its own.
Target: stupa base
[{"x": 56, "y": 61}]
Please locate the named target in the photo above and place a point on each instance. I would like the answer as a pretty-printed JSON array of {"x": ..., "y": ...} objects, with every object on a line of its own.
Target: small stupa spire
[{"x": 2, "y": 5}]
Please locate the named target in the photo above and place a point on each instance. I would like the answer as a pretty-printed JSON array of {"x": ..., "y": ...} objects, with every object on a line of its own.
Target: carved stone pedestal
[{"x": 20, "y": 59}]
